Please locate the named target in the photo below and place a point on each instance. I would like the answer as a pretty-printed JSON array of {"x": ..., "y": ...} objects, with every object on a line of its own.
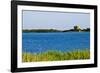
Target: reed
[{"x": 53, "y": 55}]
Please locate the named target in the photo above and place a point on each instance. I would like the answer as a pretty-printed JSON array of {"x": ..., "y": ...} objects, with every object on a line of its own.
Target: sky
[{"x": 54, "y": 20}]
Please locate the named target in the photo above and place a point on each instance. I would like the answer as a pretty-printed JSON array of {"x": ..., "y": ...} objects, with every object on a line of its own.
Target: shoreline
[
  {"x": 52, "y": 32},
  {"x": 55, "y": 30}
]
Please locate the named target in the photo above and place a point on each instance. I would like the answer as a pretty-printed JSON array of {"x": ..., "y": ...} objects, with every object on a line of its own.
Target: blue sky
[{"x": 54, "y": 20}]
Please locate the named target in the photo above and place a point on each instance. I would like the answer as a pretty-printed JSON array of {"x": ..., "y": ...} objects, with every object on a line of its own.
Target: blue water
[{"x": 66, "y": 41}]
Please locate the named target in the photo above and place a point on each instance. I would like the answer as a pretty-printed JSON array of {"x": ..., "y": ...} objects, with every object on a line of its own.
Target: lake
[{"x": 61, "y": 41}]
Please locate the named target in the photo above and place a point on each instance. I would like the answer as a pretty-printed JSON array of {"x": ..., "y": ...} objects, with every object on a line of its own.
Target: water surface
[{"x": 62, "y": 41}]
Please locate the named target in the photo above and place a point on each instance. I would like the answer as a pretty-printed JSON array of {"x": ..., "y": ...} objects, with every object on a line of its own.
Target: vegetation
[
  {"x": 75, "y": 28},
  {"x": 54, "y": 30},
  {"x": 41, "y": 30},
  {"x": 79, "y": 30},
  {"x": 56, "y": 56}
]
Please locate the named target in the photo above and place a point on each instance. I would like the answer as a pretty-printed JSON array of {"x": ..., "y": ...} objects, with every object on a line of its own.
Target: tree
[{"x": 77, "y": 28}]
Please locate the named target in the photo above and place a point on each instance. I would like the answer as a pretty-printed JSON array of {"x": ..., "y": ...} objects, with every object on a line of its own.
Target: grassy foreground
[{"x": 56, "y": 56}]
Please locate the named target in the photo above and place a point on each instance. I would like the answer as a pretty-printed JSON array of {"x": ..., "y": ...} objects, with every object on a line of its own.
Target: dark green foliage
[
  {"x": 54, "y": 30},
  {"x": 42, "y": 30}
]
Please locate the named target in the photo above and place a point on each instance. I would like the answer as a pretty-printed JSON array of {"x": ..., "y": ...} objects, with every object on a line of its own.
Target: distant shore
[{"x": 55, "y": 30}]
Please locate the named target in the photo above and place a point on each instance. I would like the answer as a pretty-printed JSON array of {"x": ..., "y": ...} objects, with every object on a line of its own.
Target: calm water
[{"x": 67, "y": 41}]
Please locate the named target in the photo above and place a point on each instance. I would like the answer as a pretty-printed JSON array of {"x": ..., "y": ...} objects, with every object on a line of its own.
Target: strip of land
[
  {"x": 54, "y": 30},
  {"x": 55, "y": 56}
]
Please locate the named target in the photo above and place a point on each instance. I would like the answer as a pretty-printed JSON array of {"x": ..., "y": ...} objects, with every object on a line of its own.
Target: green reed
[{"x": 53, "y": 55}]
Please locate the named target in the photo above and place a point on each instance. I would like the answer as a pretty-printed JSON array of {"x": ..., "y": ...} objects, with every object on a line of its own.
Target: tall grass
[{"x": 56, "y": 56}]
